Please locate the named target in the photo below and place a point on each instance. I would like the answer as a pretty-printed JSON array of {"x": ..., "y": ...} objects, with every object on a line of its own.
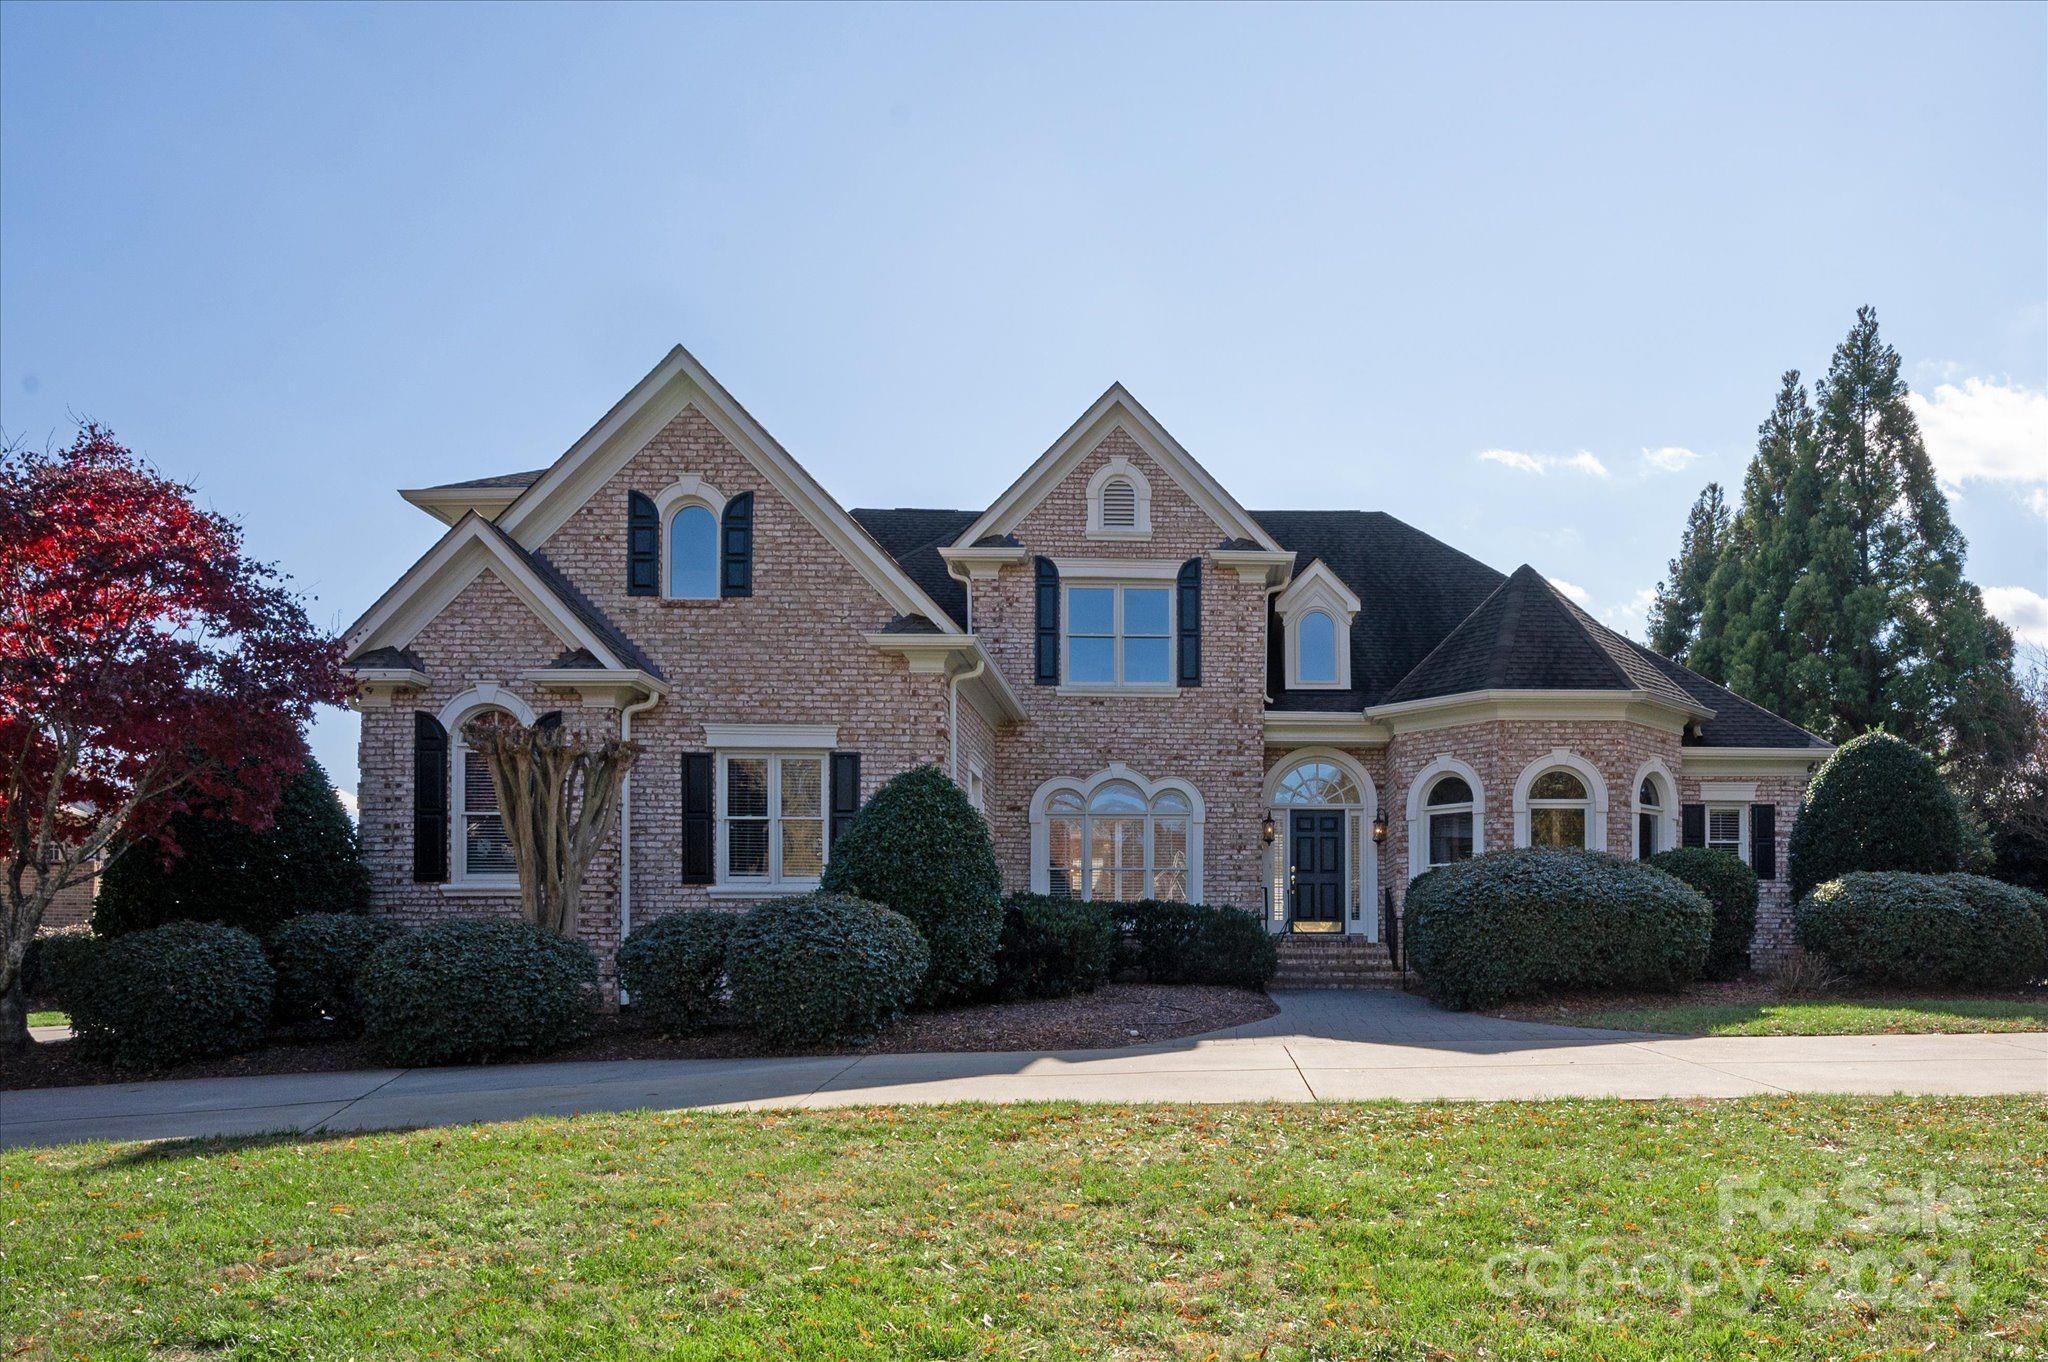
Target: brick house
[{"x": 1147, "y": 689}]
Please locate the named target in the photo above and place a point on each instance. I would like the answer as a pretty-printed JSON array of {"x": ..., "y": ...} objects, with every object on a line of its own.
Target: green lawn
[
  {"x": 1053, "y": 1231},
  {"x": 48, "y": 1019},
  {"x": 1823, "y": 1017}
]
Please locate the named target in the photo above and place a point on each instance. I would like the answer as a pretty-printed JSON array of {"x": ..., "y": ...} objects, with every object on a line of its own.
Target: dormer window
[
  {"x": 1316, "y": 611},
  {"x": 1119, "y": 501}
]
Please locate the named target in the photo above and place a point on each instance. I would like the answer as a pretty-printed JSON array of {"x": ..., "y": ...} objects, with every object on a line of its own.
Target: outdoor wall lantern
[
  {"x": 1267, "y": 832},
  {"x": 1379, "y": 829}
]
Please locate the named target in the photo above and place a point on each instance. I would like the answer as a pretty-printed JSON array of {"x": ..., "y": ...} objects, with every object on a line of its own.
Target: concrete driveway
[{"x": 1320, "y": 1047}]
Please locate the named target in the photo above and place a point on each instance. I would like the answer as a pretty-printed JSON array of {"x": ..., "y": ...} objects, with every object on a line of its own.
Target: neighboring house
[
  {"x": 72, "y": 906},
  {"x": 1149, "y": 690}
]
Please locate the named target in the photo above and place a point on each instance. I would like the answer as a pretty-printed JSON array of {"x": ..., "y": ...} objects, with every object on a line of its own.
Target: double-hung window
[
  {"x": 1119, "y": 634},
  {"x": 1724, "y": 829},
  {"x": 772, "y": 819}
]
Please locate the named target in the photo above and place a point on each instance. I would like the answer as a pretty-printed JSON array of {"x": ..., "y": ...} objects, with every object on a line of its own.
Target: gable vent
[{"x": 1119, "y": 505}]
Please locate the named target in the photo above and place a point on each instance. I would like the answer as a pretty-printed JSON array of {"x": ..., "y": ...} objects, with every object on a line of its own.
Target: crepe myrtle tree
[{"x": 148, "y": 665}]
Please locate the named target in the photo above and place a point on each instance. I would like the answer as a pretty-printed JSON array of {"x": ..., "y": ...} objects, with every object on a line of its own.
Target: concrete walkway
[{"x": 1321, "y": 1047}]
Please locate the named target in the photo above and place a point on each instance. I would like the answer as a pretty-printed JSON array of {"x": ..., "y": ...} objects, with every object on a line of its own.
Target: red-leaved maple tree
[{"x": 147, "y": 665}]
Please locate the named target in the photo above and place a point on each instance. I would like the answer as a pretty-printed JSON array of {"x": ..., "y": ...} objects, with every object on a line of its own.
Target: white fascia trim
[
  {"x": 957, "y": 654},
  {"x": 387, "y": 676},
  {"x": 449, "y": 505},
  {"x": 1293, "y": 727},
  {"x": 599, "y": 686},
  {"x": 1117, "y": 569},
  {"x": 980, "y": 563},
  {"x": 1732, "y": 761},
  {"x": 772, "y": 737},
  {"x": 440, "y": 576},
  {"x": 676, "y": 384},
  {"x": 1116, "y": 407},
  {"x": 1476, "y": 706},
  {"x": 1256, "y": 566}
]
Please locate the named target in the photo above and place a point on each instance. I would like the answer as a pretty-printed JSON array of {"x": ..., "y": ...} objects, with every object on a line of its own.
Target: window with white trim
[
  {"x": 772, "y": 816},
  {"x": 1117, "y": 844},
  {"x": 1649, "y": 818},
  {"x": 1315, "y": 649},
  {"x": 1448, "y": 815},
  {"x": 483, "y": 853},
  {"x": 1119, "y": 634},
  {"x": 1560, "y": 810},
  {"x": 1725, "y": 831},
  {"x": 693, "y": 553},
  {"x": 975, "y": 782}
]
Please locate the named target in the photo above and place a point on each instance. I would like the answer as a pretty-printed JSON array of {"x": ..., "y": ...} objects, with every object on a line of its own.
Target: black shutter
[
  {"x": 736, "y": 547},
  {"x": 1692, "y": 825},
  {"x": 1048, "y": 624},
  {"x": 699, "y": 819},
  {"x": 1763, "y": 840},
  {"x": 1276, "y": 652},
  {"x": 643, "y": 546},
  {"x": 551, "y": 719},
  {"x": 1189, "y": 604},
  {"x": 845, "y": 790},
  {"x": 429, "y": 799}
]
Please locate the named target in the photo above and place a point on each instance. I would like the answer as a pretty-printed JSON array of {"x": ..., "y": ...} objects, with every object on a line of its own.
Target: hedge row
[{"x": 1892, "y": 927}]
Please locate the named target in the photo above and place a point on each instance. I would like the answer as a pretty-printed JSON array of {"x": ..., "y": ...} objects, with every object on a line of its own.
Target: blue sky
[{"x": 1524, "y": 277}]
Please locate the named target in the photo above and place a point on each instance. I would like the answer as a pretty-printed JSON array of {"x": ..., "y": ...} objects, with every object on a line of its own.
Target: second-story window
[
  {"x": 1119, "y": 635},
  {"x": 693, "y": 554}
]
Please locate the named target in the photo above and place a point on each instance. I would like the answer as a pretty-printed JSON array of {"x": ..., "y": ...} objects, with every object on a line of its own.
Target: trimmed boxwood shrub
[
  {"x": 1877, "y": 804},
  {"x": 1516, "y": 923},
  {"x": 674, "y": 967},
  {"x": 918, "y": 847},
  {"x": 1168, "y": 942},
  {"x": 823, "y": 967},
  {"x": 1053, "y": 947},
  {"x": 1730, "y": 885},
  {"x": 1891, "y": 927},
  {"x": 466, "y": 990},
  {"x": 54, "y": 958},
  {"x": 182, "y": 991},
  {"x": 317, "y": 958}
]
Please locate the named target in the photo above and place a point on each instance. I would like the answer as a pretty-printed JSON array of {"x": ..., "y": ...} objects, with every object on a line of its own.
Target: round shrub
[
  {"x": 918, "y": 847},
  {"x": 1890, "y": 927},
  {"x": 55, "y": 958},
  {"x": 675, "y": 965},
  {"x": 305, "y": 862},
  {"x": 822, "y": 968},
  {"x": 317, "y": 958},
  {"x": 1516, "y": 923},
  {"x": 1877, "y": 804},
  {"x": 1054, "y": 948},
  {"x": 466, "y": 990},
  {"x": 1190, "y": 943},
  {"x": 1731, "y": 887},
  {"x": 182, "y": 991}
]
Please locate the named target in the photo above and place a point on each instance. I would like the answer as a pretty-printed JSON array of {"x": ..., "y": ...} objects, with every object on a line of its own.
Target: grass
[
  {"x": 1050, "y": 1231},
  {"x": 1822, "y": 1017},
  {"x": 49, "y": 1019}
]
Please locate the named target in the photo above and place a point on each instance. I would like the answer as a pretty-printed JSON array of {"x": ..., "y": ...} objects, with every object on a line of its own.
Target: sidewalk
[{"x": 1320, "y": 1047}]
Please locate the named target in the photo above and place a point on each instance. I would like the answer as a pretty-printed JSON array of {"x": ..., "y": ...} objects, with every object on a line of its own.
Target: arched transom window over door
[
  {"x": 1559, "y": 810},
  {"x": 1117, "y": 843},
  {"x": 1317, "y": 783}
]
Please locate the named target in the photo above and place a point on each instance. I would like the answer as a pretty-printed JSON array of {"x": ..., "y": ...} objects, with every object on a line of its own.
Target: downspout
[
  {"x": 626, "y": 825},
  {"x": 953, "y": 715}
]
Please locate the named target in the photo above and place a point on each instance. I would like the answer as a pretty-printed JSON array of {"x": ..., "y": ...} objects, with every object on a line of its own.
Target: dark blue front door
[{"x": 1315, "y": 872}]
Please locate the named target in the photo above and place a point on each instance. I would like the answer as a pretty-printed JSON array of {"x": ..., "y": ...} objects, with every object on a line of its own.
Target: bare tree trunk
[{"x": 557, "y": 794}]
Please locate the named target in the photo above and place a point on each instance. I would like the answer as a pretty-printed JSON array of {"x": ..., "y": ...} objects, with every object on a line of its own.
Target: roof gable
[
  {"x": 677, "y": 384},
  {"x": 1115, "y": 409}
]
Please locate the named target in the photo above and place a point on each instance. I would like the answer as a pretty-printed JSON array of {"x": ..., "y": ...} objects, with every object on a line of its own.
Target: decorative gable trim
[
  {"x": 1128, "y": 516},
  {"x": 462, "y": 555},
  {"x": 1116, "y": 409},
  {"x": 678, "y": 384}
]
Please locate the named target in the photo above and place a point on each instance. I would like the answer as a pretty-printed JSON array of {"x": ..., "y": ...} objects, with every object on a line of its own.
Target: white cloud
[
  {"x": 348, "y": 803},
  {"x": 2024, "y": 611},
  {"x": 1581, "y": 462},
  {"x": 1988, "y": 430},
  {"x": 1631, "y": 617},
  {"x": 1669, "y": 458},
  {"x": 1578, "y": 594}
]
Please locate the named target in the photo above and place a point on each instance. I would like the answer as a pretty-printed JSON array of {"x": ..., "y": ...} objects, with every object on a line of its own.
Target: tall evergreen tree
[
  {"x": 1838, "y": 598},
  {"x": 1675, "y": 614}
]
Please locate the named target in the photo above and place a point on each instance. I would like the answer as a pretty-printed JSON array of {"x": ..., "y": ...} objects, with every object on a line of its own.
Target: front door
[{"x": 1315, "y": 872}]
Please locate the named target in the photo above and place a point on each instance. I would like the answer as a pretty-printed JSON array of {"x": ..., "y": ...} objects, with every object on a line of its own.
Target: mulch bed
[
  {"x": 1564, "y": 1007},
  {"x": 1114, "y": 1015}
]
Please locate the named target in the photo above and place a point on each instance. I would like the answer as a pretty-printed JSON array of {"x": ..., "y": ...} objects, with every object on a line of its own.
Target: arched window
[
  {"x": 1116, "y": 843},
  {"x": 1448, "y": 813},
  {"x": 1559, "y": 809},
  {"x": 482, "y": 850},
  {"x": 693, "y": 554},
  {"x": 1317, "y": 783},
  {"x": 1315, "y": 642},
  {"x": 1649, "y": 814}
]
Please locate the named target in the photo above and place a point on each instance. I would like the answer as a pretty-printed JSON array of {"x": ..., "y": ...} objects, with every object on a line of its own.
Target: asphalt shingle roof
[{"x": 913, "y": 537}]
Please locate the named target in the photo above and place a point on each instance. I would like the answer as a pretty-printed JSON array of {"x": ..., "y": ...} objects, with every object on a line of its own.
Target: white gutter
[
  {"x": 953, "y": 714},
  {"x": 626, "y": 824}
]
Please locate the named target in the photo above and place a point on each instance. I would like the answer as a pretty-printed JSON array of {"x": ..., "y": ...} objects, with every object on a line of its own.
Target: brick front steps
[{"x": 1334, "y": 962}]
